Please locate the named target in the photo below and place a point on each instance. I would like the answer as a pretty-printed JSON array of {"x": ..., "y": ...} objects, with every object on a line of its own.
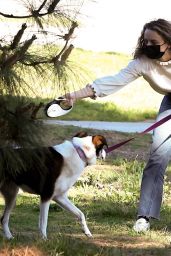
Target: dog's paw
[
  {"x": 8, "y": 236},
  {"x": 44, "y": 237},
  {"x": 89, "y": 235}
]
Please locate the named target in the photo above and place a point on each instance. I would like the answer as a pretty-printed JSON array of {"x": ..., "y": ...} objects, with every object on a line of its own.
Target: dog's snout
[{"x": 102, "y": 154}]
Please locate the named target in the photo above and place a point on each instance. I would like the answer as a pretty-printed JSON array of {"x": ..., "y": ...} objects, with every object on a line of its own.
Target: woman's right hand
[
  {"x": 85, "y": 92},
  {"x": 70, "y": 98}
]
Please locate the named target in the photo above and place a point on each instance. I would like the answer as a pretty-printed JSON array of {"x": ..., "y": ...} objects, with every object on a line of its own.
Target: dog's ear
[
  {"x": 99, "y": 141},
  {"x": 81, "y": 134}
]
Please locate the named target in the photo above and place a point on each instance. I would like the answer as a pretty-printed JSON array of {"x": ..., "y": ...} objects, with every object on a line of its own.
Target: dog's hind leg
[
  {"x": 9, "y": 191},
  {"x": 43, "y": 218},
  {"x": 65, "y": 203}
]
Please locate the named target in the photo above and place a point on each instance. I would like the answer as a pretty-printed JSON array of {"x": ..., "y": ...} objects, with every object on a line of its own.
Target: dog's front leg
[
  {"x": 43, "y": 218},
  {"x": 65, "y": 203}
]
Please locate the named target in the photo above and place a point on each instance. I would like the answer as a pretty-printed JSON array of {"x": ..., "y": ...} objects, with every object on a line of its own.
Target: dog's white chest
[{"x": 72, "y": 168}]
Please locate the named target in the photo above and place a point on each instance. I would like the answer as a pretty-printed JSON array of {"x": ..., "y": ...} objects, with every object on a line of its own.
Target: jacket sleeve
[{"x": 110, "y": 84}]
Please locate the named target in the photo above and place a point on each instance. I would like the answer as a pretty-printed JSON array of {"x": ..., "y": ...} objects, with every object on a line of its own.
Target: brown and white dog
[{"x": 63, "y": 164}]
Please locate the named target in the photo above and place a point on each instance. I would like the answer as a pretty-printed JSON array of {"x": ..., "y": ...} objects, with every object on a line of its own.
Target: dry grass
[{"x": 22, "y": 251}]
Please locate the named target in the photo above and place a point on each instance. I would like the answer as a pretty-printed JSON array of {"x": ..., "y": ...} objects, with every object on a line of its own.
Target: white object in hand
[{"x": 58, "y": 107}]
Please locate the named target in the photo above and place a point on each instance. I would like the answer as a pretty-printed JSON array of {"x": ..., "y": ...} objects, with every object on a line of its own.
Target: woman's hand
[
  {"x": 70, "y": 98},
  {"x": 80, "y": 94}
]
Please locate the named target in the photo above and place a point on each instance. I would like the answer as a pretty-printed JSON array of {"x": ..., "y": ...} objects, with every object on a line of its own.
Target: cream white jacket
[{"x": 156, "y": 73}]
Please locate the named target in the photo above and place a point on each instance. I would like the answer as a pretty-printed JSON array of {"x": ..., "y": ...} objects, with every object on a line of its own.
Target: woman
[{"x": 152, "y": 60}]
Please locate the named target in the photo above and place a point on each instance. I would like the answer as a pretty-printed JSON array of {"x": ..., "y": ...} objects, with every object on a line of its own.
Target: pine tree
[{"x": 32, "y": 65}]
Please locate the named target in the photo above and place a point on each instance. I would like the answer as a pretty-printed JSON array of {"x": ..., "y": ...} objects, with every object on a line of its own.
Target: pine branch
[
  {"x": 36, "y": 63},
  {"x": 67, "y": 36},
  {"x": 18, "y": 55},
  {"x": 26, "y": 108},
  {"x": 18, "y": 36},
  {"x": 35, "y": 110},
  {"x": 27, "y": 44},
  {"x": 34, "y": 13},
  {"x": 42, "y": 5},
  {"x": 31, "y": 109},
  {"x": 52, "y": 6},
  {"x": 5, "y": 15},
  {"x": 55, "y": 59},
  {"x": 66, "y": 53}
]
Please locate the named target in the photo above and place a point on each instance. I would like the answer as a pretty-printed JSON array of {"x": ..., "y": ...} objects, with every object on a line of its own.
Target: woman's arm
[{"x": 109, "y": 84}]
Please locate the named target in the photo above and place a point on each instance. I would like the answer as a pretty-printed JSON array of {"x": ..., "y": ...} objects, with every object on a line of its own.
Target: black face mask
[{"x": 153, "y": 51}]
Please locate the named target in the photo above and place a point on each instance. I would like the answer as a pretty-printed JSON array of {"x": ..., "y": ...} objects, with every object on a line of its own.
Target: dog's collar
[{"x": 81, "y": 153}]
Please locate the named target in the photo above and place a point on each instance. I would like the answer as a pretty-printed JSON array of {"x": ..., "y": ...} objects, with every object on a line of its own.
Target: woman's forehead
[{"x": 152, "y": 35}]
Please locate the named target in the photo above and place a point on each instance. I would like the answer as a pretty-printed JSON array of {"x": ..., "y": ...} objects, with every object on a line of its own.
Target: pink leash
[{"x": 152, "y": 127}]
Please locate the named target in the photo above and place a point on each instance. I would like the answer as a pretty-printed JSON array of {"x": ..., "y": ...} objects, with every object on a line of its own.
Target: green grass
[
  {"x": 85, "y": 110},
  {"x": 106, "y": 111},
  {"x": 108, "y": 194}
]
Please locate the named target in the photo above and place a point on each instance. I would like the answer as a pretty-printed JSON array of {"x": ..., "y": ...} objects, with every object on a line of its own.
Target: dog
[{"x": 62, "y": 166}]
